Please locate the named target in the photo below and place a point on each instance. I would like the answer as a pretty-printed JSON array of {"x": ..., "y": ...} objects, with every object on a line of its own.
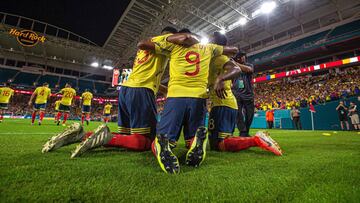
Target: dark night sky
[{"x": 92, "y": 19}]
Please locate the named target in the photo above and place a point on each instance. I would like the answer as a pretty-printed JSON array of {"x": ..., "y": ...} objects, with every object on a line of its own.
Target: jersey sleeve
[
  {"x": 162, "y": 46},
  {"x": 220, "y": 61},
  {"x": 217, "y": 50}
]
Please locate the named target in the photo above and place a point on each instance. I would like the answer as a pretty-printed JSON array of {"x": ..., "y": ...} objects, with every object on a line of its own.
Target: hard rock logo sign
[{"x": 27, "y": 38}]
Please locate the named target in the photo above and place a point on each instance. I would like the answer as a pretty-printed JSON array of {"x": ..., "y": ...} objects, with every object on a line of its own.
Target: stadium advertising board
[
  {"x": 27, "y": 38},
  {"x": 308, "y": 69}
]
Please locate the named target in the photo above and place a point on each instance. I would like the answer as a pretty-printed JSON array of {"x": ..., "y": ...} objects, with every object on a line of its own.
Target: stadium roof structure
[
  {"x": 62, "y": 48},
  {"x": 248, "y": 23}
]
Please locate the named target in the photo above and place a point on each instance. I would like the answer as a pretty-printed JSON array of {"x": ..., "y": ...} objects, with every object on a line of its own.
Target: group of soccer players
[
  {"x": 39, "y": 100},
  {"x": 194, "y": 68}
]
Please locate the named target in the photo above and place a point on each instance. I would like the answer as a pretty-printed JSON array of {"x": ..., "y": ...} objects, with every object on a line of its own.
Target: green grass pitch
[{"x": 314, "y": 168}]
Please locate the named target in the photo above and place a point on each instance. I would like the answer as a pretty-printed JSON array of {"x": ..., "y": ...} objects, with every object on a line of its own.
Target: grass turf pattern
[{"x": 314, "y": 168}]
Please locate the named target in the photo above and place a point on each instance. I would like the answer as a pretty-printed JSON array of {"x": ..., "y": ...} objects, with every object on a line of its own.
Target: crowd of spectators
[{"x": 304, "y": 90}]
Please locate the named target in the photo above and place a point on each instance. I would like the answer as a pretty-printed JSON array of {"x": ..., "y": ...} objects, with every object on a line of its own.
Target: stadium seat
[
  {"x": 101, "y": 87},
  {"x": 26, "y": 79},
  {"x": 350, "y": 27},
  {"x": 51, "y": 79},
  {"x": 6, "y": 74},
  {"x": 64, "y": 80},
  {"x": 84, "y": 84}
]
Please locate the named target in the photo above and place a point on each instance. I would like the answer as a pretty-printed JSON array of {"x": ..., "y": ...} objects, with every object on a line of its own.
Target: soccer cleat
[
  {"x": 73, "y": 133},
  {"x": 87, "y": 122},
  {"x": 264, "y": 141},
  {"x": 101, "y": 137},
  {"x": 166, "y": 158},
  {"x": 58, "y": 123},
  {"x": 197, "y": 152},
  {"x": 39, "y": 123}
]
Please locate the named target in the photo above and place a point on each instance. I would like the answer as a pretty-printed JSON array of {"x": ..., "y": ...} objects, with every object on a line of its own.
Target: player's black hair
[
  {"x": 240, "y": 54},
  {"x": 184, "y": 30},
  {"x": 45, "y": 83},
  {"x": 68, "y": 84},
  {"x": 219, "y": 39},
  {"x": 169, "y": 29},
  {"x": 7, "y": 84}
]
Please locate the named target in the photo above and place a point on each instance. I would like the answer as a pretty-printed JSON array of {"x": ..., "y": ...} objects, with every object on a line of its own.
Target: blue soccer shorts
[
  {"x": 222, "y": 122},
  {"x": 186, "y": 114},
  {"x": 86, "y": 109},
  {"x": 137, "y": 111},
  {"x": 39, "y": 106}
]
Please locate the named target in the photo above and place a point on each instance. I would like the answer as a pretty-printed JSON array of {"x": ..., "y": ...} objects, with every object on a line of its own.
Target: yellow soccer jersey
[
  {"x": 189, "y": 68},
  {"x": 148, "y": 68},
  {"x": 87, "y": 98},
  {"x": 216, "y": 68},
  {"x": 5, "y": 94},
  {"x": 42, "y": 95},
  {"x": 107, "y": 108},
  {"x": 67, "y": 96},
  {"x": 57, "y": 105}
]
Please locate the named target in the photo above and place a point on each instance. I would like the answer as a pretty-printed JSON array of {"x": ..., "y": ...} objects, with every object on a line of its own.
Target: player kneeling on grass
[
  {"x": 42, "y": 95},
  {"x": 185, "y": 106},
  {"x": 5, "y": 94},
  {"x": 224, "y": 107},
  {"x": 137, "y": 108},
  {"x": 107, "y": 112}
]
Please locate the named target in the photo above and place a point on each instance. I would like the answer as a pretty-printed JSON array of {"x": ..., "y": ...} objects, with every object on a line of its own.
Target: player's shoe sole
[
  {"x": 101, "y": 137},
  {"x": 167, "y": 160},
  {"x": 73, "y": 133},
  {"x": 197, "y": 152},
  {"x": 267, "y": 143}
]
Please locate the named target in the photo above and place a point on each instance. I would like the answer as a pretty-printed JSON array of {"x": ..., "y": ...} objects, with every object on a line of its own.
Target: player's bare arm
[
  {"x": 232, "y": 71},
  {"x": 184, "y": 39},
  {"x": 146, "y": 45},
  {"x": 230, "y": 51},
  {"x": 32, "y": 98},
  {"x": 245, "y": 68}
]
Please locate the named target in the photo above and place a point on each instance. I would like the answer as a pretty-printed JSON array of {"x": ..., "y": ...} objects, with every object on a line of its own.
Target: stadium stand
[
  {"x": 26, "y": 79},
  {"x": 316, "y": 89},
  {"x": 6, "y": 74},
  {"x": 51, "y": 79},
  {"x": 85, "y": 84},
  {"x": 65, "y": 80},
  {"x": 101, "y": 87},
  {"x": 342, "y": 32}
]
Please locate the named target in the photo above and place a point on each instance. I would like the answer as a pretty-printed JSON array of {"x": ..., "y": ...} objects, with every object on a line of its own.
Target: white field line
[{"x": 21, "y": 133}]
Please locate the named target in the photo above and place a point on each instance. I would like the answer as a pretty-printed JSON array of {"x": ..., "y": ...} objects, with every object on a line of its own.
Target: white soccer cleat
[
  {"x": 101, "y": 136},
  {"x": 72, "y": 134},
  {"x": 264, "y": 141}
]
